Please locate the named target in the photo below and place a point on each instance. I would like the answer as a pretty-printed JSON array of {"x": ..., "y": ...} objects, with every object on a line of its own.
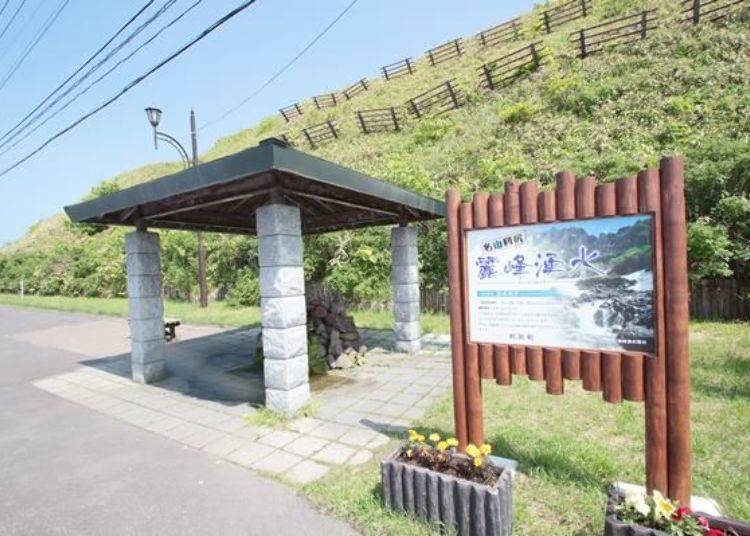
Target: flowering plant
[
  {"x": 657, "y": 512},
  {"x": 442, "y": 455}
]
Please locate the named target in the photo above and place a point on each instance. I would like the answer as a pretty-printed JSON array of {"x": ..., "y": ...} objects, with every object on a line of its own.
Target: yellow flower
[
  {"x": 477, "y": 462},
  {"x": 419, "y": 438},
  {"x": 441, "y": 446},
  {"x": 452, "y": 442},
  {"x": 472, "y": 450},
  {"x": 485, "y": 449},
  {"x": 662, "y": 505},
  {"x": 434, "y": 438}
]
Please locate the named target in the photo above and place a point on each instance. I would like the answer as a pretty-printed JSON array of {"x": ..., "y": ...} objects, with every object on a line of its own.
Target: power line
[
  {"x": 85, "y": 90},
  {"x": 168, "y": 4},
  {"x": 133, "y": 83},
  {"x": 282, "y": 70},
  {"x": 79, "y": 69},
  {"x": 50, "y": 21},
  {"x": 20, "y": 6},
  {"x": 2, "y": 9}
]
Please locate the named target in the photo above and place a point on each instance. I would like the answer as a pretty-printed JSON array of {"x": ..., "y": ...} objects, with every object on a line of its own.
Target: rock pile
[{"x": 340, "y": 342}]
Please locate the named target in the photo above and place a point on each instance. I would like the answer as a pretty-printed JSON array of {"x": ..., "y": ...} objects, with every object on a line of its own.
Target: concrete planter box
[
  {"x": 615, "y": 527},
  {"x": 471, "y": 508}
]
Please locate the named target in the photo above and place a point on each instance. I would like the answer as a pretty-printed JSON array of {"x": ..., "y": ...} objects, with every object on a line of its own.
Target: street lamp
[{"x": 154, "y": 118}]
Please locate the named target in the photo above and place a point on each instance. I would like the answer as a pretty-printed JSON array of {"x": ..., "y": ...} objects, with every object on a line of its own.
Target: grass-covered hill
[{"x": 682, "y": 90}]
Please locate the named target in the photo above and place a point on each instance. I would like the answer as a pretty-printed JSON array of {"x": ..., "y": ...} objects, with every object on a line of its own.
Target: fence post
[
  {"x": 583, "y": 44},
  {"x": 458, "y": 47},
  {"x": 395, "y": 118},
  {"x": 452, "y": 94},
  {"x": 696, "y": 11},
  {"x": 385, "y": 73},
  {"x": 296, "y": 106},
  {"x": 488, "y": 76},
  {"x": 408, "y": 66},
  {"x": 362, "y": 123},
  {"x": 534, "y": 55},
  {"x": 415, "y": 108},
  {"x": 309, "y": 139},
  {"x": 545, "y": 16},
  {"x": 583, "y": 8},
  {"x": 332, "y": 129},
  {"x": 515, "y": 31},
  {"x": 644, "y": 22},
  {"x": 432, "y": 59}
]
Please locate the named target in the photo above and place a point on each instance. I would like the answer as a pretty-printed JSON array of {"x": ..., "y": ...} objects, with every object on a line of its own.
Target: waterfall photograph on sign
[{"x": 580, "y": 284}]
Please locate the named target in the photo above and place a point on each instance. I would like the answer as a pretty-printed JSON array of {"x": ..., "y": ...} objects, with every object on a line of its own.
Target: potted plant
[
  {"x": 433, "y": 481},
  {"x": 635, "y": 513}
]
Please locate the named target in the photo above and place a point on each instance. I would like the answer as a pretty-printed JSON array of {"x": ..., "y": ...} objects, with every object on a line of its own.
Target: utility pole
[{"x": 202, "y": 282}]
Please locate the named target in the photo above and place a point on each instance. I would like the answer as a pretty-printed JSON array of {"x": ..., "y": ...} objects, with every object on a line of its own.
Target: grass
[
  {"x": 217, "y": 313},
  {"x": 571, "y": 447}
]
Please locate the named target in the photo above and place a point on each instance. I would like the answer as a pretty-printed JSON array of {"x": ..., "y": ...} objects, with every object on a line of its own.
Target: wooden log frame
[
  {"x": 614, "y": 32},
  {"x": 442, "y": 98},
  {"x": 397, "y": 69},
  {"x": 502, "y": 33},
  {"x": 564, "y": 13},
  {"x": 355, "y": 89},
  {"x": 326, "y": 100},
  {"x": 378, "y": 120},
  {"x": 507, "y": 69},
  {"x": 291, "y": 112},
  {"x": 660, "y": 380},
  {"x": 446, "y": 51},
  {"x": 318, "y": 134},
  {"x": 697, "y": 11}
]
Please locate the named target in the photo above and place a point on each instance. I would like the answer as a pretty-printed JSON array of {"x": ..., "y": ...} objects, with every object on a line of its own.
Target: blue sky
[{"x": 211, "y": 77}]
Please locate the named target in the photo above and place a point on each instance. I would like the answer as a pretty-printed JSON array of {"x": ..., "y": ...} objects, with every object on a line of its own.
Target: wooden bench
[{"x": 170, "y": 328}]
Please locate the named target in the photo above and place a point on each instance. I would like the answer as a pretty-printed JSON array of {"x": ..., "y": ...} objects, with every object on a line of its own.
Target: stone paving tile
[
  {"x": 277, "y": 462},
  {"x": 306, "y": 445},
  {"x": 363, "y": 456},
  {"x": 224, "y": 445},
  {"x": 330, "y": 430},
  {"x": 334, "y": 454},
  {"x": 245, "y": 456},
  {"x": 202, "y": 437},
  {"x": 358, "y": 437},
  {"x": 278, "y": 438},
  {"x": 304, "y": 425},
  {"x": 306, "y": 471}
]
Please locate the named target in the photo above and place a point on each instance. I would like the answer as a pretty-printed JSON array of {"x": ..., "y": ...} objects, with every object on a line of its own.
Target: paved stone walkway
[{"x": 213, "y": 385}]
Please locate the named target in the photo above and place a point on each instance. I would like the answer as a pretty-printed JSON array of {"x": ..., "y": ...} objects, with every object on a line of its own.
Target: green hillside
[{"x": 681, "y": 90}]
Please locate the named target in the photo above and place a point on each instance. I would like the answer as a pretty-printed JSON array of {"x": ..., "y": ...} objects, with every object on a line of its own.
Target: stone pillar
[
  {"x": 283, "y": 311},
  {"x": 147, "y": 346},
  {"x": 405, "y": 278}
]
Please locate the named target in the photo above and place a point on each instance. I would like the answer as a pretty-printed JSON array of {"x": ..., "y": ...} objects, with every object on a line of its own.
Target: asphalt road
[{"x": 66, "y": 469}]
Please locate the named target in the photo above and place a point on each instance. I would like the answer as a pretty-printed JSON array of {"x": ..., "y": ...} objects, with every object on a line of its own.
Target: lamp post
[{"x": 154, "y": 117}]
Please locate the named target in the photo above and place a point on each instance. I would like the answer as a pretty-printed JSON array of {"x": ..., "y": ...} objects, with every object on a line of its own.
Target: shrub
[
  {"x": 246, "y": 291},
  {"x": 708, "y": 249}
]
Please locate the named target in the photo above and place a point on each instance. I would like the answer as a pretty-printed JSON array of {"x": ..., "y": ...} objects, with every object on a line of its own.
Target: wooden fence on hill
[
  {"x": 564, "y": 13},
  {"x": 291, "y": 112},
  {"x": 327, "y": 100},
  {"x": 355, "y": 89},
  {"x": 696, "y": 11},
  {"x": 502, "y": 33},
  {"x": 506, "y": 69},
  {"x": 447, "y": 51},
  {"x": 319, "y": 134},
  {"x": 378, "y": 120},
  {"x": 397, "y": 69},
  {"x": 447, "y": 96},
  {"x": 619, "y": 31}
]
